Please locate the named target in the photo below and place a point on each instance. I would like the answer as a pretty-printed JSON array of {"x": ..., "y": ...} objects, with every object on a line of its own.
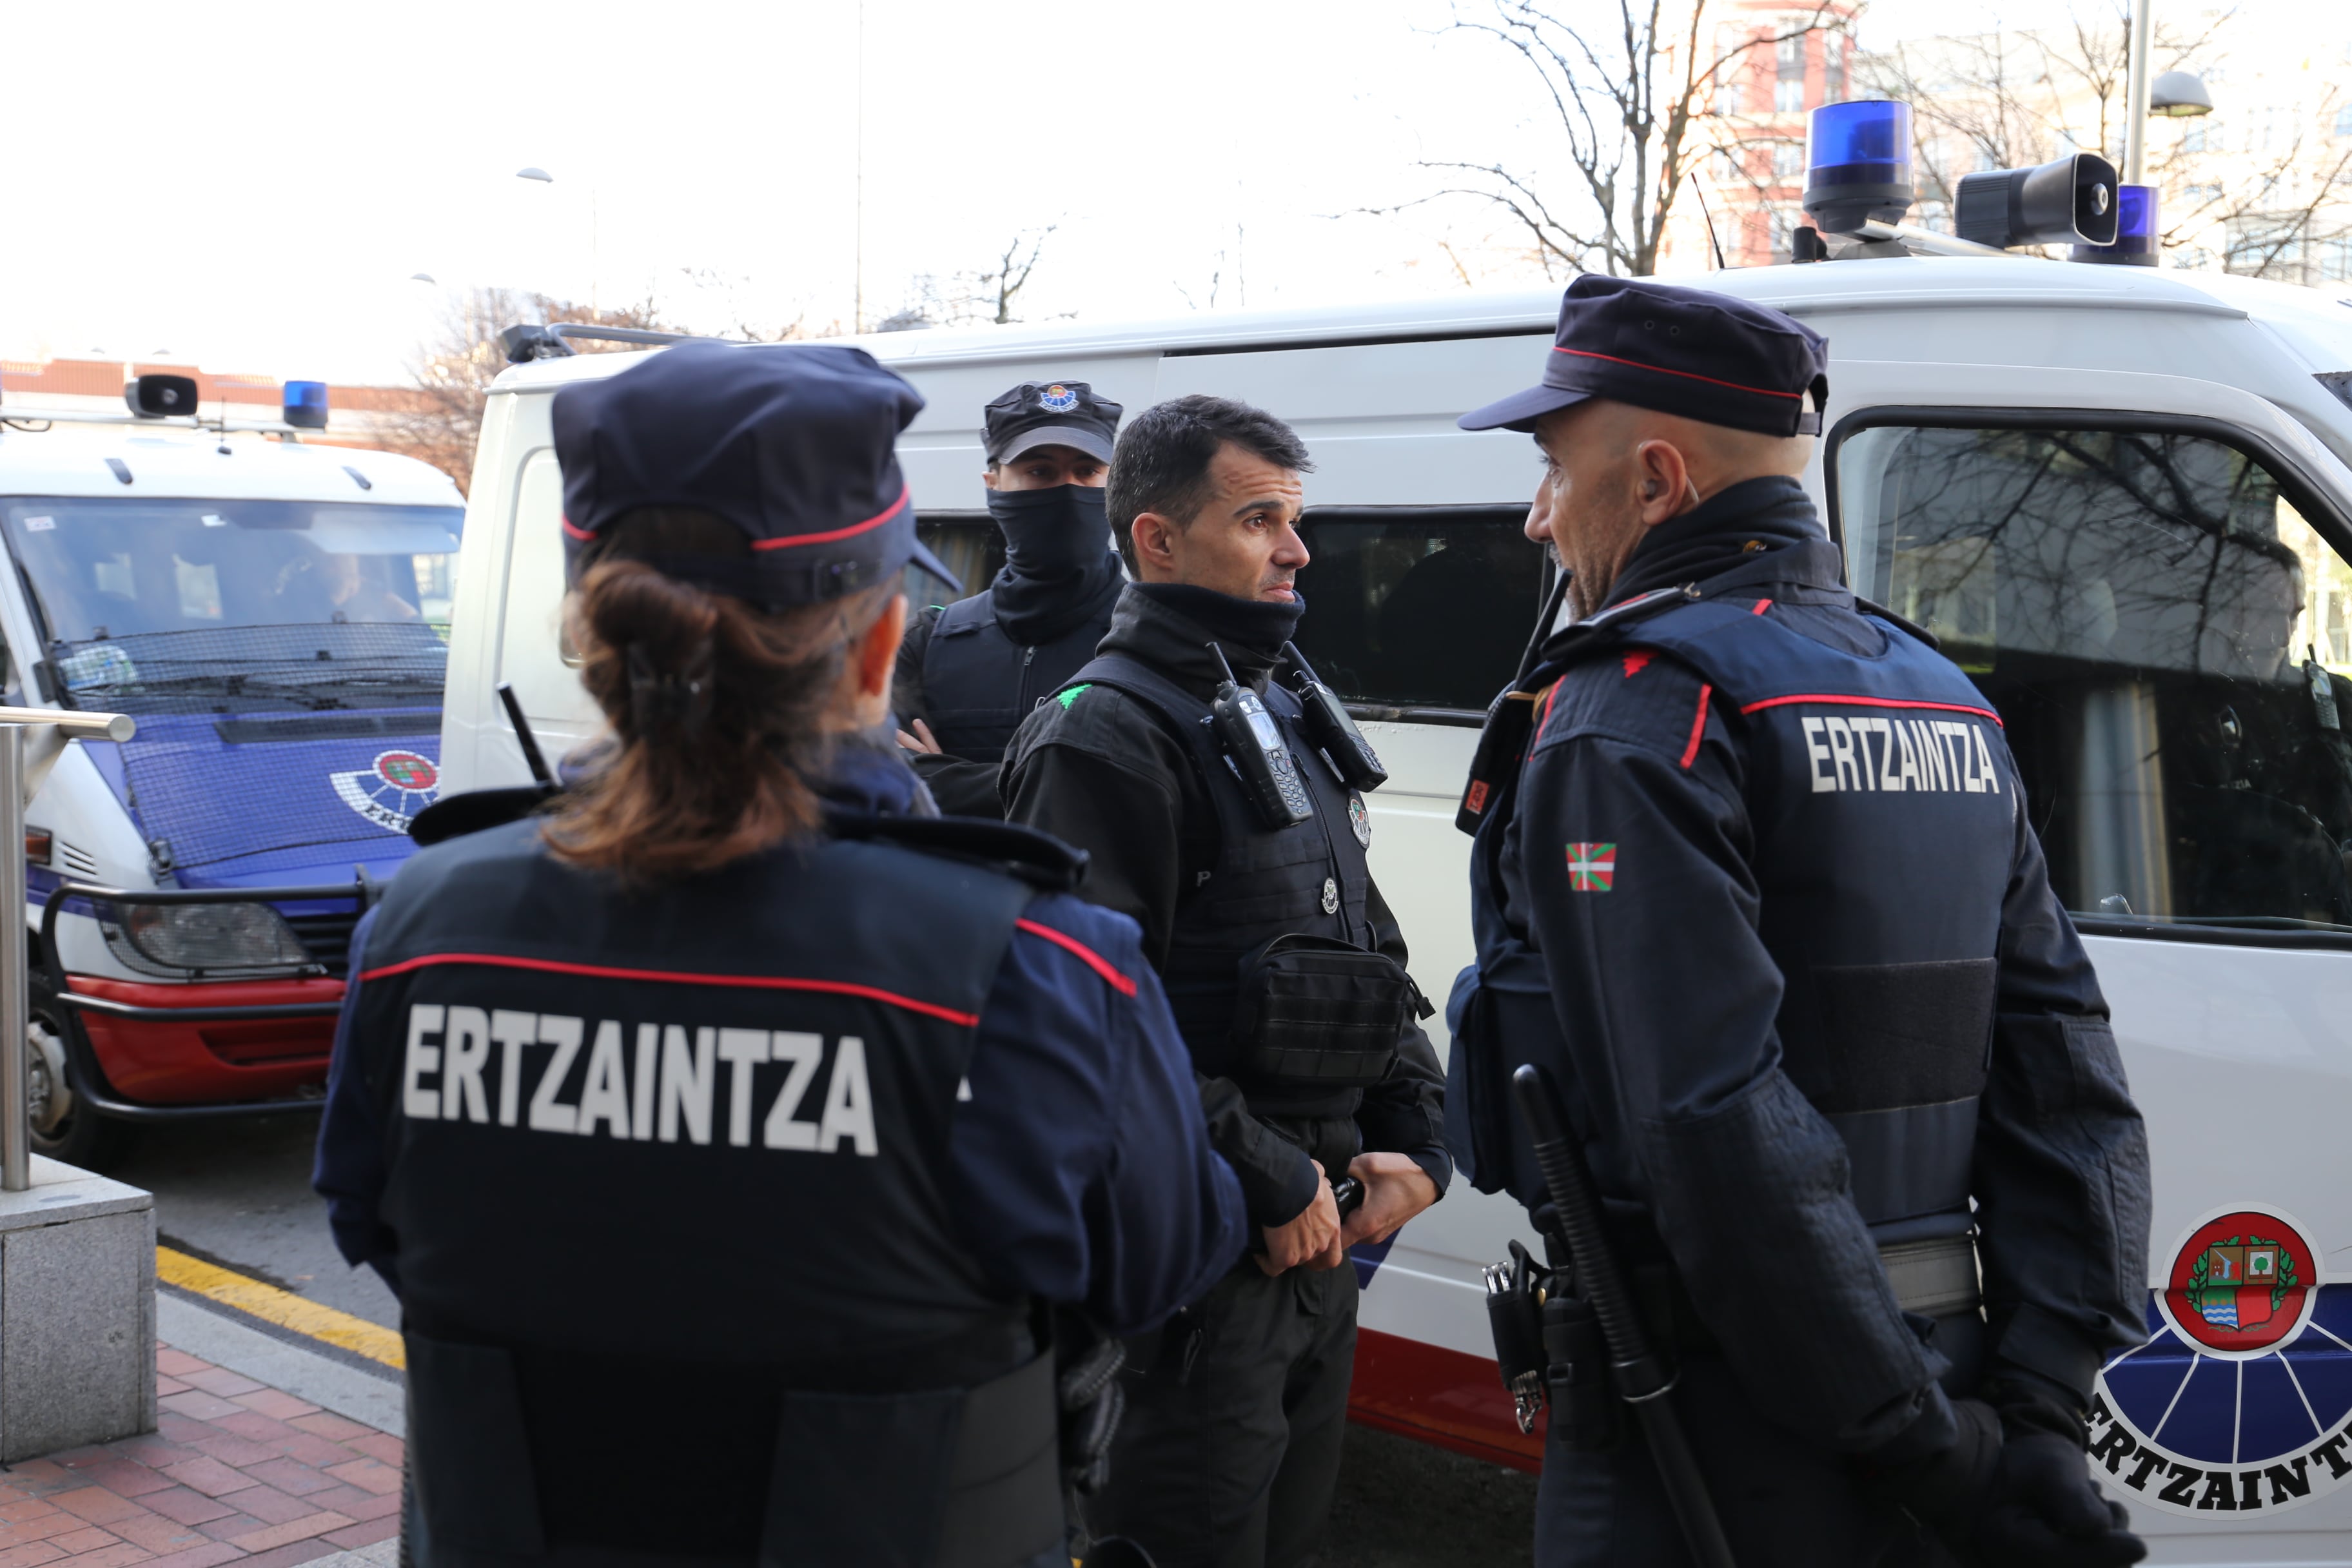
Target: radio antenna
[{"x": 1699, "y": 191}]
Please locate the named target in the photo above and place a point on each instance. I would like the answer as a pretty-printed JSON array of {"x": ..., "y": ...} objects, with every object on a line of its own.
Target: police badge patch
[
  {"x": 1360, "y": 818},
  {"x": 1058, "y": 399}
]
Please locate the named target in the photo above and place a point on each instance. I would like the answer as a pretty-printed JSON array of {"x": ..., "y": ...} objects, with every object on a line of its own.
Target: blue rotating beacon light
[
  {"x": 2136, "y": 242},
  {"x": 1858, "y": 164},
  {"x": 306, "y": 405}
]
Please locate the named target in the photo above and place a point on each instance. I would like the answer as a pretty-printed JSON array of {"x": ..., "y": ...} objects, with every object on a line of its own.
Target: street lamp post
[
  {"x": 2177, "y": 95},
  {"x": 595, "y": 238},
  {"x": 2135, "y": 94},
  {"x": 19, "y": 777}
]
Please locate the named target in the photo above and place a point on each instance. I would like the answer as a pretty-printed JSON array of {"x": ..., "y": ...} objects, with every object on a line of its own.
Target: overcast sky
[{"x": 250, "y": 187}]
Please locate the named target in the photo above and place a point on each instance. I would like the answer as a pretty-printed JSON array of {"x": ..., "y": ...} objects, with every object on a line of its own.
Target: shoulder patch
[{"x": 1071, "y": 695}]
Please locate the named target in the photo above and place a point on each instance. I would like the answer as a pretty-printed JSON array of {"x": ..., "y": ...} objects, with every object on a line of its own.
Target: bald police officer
[
  {"x": 1766, "y": 902},
  {"x": 970, "y": 671}
]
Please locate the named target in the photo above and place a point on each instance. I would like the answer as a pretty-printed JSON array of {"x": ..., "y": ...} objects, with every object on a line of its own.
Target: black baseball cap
[
  {"x": 1691, "y": 352},
  {"x": 794, "y": 446},
  {"x": 1050, "y": 414}
]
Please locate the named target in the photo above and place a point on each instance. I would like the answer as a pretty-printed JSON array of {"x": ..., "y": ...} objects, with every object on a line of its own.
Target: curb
[{"x": 358, "y": 1389}]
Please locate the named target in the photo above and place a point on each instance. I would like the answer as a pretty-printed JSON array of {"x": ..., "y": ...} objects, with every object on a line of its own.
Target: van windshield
[{"x": 181, "y": 606}]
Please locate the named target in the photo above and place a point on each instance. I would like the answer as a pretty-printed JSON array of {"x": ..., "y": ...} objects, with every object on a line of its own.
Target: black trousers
[
  {"x": 1237, "y": 1408},
  {"x": 1782, "y": 1500}
]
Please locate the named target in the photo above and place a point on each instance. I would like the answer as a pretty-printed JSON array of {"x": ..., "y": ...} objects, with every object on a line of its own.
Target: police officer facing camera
[
  {"x": 1766, "y": 903},
  {"x": 1177, "y": 760},
  {"x": 970, "y": 671},
  {"x": 737, "y": 1096}
]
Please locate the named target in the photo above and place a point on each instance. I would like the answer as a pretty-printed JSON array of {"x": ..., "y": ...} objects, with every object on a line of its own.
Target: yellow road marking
[{"x": 283, "y": 1308}]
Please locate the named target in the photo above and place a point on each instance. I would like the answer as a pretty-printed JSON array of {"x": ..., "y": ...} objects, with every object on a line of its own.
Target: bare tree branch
[{"x": 1626, "y": 95}]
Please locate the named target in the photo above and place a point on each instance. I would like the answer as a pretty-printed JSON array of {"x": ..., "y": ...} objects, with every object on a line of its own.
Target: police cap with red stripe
[
  {"x": 1692, "y": 352},
  {"x": 792, "y": 444}
]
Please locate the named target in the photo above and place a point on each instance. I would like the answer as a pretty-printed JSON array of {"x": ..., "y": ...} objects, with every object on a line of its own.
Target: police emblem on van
[
  {"x": 1058, "y": 399},
  {"x": 391, "y": 790},
  {"x": 2240, "y": 1401}
]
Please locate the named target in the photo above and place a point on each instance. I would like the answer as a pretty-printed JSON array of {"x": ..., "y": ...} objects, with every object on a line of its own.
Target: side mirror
[{"x": 161, "y": 397}]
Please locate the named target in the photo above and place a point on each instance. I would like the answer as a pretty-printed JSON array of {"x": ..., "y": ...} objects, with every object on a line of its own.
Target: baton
[{"x": 1643, "y": 1380}]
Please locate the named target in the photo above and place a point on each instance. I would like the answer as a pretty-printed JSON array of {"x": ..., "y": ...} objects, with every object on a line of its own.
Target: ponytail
[{"x": 719, "y": 709}]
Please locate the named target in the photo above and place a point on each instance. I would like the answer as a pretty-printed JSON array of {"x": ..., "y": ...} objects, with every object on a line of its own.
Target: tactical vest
[
  {"x": 979, "y": 684},
  {"x": 1884, "y": 923},
  {"x": 1309, "y": 878},
  {"x": 675, "y": 1159}
]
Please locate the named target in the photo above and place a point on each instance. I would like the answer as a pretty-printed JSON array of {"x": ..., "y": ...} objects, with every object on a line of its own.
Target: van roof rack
[{"x": 529, "y": 341}]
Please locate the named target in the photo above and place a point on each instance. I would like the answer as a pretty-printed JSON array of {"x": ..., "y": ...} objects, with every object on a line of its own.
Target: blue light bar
[
  {"x": 2137, "y": 232},
  {"x": 1858, "y": 164},
  {"x": 306, "y": 405}
]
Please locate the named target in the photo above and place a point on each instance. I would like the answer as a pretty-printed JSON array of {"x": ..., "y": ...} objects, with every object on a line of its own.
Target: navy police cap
[
  {"x": 1691, "y": 352},
  {"x": 1051, "y": 414},
  {"x": 794, "y": 446}
]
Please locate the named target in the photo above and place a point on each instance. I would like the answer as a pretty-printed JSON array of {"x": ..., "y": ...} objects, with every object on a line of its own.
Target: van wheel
[{"x": 62, "y": 1129}]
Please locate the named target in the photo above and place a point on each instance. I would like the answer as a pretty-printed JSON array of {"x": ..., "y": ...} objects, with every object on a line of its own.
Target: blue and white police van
[
  {"x": 275, "y": 618},
  {"x": 2121, "y": 496}
]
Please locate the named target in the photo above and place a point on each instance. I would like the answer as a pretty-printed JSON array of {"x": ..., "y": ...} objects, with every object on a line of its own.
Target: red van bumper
[
  {"x": 207, "y": 1043},
  {"x": 144, "y": 1051}
]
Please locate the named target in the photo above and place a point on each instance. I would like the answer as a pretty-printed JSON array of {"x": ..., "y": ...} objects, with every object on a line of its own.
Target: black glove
[
  {"x": 1947, "y": 1491},
  {"x": 2045, "y": 1514}
]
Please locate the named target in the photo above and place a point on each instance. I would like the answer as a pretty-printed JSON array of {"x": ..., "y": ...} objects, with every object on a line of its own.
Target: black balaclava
[{"x": 1059, "y": 567}]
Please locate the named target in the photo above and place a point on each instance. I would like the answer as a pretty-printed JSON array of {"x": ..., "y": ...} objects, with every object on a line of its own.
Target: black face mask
[
  {"x": 1052, "y": 533},
  {"x": 1059, "y": 570}
]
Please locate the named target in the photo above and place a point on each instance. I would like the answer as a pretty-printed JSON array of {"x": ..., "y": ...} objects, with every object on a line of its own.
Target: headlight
[{"x": 173, "y": 938}]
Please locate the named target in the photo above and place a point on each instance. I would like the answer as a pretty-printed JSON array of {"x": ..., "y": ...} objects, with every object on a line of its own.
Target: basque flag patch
[{"x": 1592, "y": 868}]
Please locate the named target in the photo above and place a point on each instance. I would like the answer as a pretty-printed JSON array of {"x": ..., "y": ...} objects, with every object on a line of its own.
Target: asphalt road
[{"x": 238, "y": 1194}]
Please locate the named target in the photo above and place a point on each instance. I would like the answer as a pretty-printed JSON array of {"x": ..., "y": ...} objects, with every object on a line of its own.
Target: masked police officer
[
  {"x": 1284, "y": 965},
  {"x": 970, "y": 671},
  {"x": 1767, "y": 904},
  {"x": 732, "y": 1099}
]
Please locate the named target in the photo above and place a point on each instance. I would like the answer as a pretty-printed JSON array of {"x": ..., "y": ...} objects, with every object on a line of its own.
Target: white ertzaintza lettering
[{"x": 645, "y": 1082}]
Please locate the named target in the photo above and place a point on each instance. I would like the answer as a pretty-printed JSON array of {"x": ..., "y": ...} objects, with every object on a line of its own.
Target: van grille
[
  {"x": 328, "y": 937},
  {"x": 75, "y": 862}
]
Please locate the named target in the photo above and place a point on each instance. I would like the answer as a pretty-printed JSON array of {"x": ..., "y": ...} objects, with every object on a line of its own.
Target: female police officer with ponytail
[{"x": 738, "y": 1098}]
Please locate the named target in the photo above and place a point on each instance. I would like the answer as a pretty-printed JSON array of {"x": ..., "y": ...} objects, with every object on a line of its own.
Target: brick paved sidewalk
[{"x": 236, "y": 1473}]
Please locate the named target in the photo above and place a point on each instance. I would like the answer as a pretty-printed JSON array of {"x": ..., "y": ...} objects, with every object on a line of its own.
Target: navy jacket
[
  {"x": 1740, "y": 913},
  {"x": 1084, "y": 1174}
]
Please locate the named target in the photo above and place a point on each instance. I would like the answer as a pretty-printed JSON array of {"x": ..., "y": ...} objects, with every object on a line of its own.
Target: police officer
[
  {"x": 1767, "y": 903},
  {"x": 1230, "y": 1449},
  {"x": 732, "y": 1099},
  {"x": 970, "y": 671}
]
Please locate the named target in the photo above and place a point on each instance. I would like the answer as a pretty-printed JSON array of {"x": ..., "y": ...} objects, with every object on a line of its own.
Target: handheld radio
[
  {"x": 1329, "y": 726},
  {"x": 1252, "y": 744}
]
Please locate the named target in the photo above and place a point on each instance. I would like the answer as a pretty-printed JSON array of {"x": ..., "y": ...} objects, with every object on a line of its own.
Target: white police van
[
  {"x": 273, "y": 615},
  {"x": 2121, "y": 496}
]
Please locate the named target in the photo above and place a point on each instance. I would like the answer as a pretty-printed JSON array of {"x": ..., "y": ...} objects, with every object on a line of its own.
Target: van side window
[
  {"x": 2163, "y": 634},
  {"x": 1419, "y": 607},
  {"x": 970, "y": 542}
]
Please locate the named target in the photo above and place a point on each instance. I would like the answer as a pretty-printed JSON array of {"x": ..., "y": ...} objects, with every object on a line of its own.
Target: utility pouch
[
  {"x": 1515, "y": 1298},
  {"x": 1586, "y": 1414},
  {"x": 1317, "y": 1010}
]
